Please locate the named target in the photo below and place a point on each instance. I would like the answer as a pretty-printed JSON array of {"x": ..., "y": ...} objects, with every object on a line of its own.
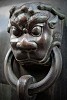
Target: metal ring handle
[
  {"x": 22, "y": 87},
  {"x": 44, "y": 83}
]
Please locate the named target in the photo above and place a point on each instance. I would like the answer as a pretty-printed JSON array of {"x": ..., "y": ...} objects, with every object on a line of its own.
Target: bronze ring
[
  {"x": 45, "y": 83},
  {"x": 22, "y": 87}
]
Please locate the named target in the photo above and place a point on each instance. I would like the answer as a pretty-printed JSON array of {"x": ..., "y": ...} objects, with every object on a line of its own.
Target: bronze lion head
[{"x": 34, "y": 30}]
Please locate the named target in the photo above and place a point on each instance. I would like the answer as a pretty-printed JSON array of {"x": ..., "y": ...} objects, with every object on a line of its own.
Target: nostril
[
  {"x": 27, "y": 45},
  {"x": 18, "y": 44}
]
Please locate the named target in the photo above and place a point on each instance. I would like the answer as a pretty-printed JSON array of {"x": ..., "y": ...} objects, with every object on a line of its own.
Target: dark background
[{"x": 59, "y": 89}]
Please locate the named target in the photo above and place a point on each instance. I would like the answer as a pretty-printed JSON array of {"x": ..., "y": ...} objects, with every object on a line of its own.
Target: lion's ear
[{"x": 12, "y": 11}]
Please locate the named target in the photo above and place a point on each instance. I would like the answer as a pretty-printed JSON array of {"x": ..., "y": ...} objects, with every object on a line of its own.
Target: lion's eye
[
  {"x": 15, "y": 31},
  {"x": 36, "y": 31}
]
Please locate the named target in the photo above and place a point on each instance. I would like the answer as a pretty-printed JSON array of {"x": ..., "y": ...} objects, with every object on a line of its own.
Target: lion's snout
[{"x": 26, "y": 45}]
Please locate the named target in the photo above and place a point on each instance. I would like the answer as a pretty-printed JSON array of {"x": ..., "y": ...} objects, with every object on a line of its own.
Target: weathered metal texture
[
  {"x": 59, "y": 90},
  {"x": 35, "y": 37}
]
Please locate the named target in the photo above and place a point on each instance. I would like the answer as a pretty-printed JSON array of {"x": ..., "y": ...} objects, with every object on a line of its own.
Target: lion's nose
[{"x": 27, "y": 45}]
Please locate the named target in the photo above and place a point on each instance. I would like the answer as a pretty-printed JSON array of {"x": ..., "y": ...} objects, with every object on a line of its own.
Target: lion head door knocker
[{"x": 35, "y": 37}]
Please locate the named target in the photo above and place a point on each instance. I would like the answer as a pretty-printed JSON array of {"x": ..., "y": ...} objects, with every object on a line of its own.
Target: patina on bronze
[{"x": 35, "y": 37}]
